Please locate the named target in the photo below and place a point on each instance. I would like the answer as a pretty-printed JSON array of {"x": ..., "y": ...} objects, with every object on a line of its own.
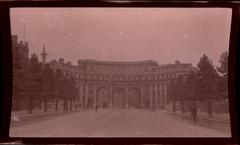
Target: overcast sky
[{"x": 125, "y": 34}]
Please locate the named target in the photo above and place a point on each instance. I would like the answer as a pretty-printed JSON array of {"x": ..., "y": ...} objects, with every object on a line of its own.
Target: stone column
[
  {"x": 165, "y": 93},
  {"x": 142, "y": 93},
  {"x": 161, "y": 92},
  {"x": 95, "y": 96},
  {"x": 81, "y": 94},
  {"x": 86, "y": 96},
  {"x": 150, "y": 97},
  {"x": 126, "y": 97},
  {"x": 156, "y": 95},
  {"x": 110, "y": 97}
]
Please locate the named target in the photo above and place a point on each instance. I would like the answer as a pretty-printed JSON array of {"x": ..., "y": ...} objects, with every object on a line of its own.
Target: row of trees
[
  {"x": 205, "y": 83},
  {"x": 38, "y": 83}
]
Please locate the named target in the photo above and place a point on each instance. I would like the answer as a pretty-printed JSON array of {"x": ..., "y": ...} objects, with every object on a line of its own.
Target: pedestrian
[{"x": 194, "y": 111}]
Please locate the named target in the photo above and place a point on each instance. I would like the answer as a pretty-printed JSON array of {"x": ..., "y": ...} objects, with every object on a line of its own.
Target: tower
[{"x": 44, "y": 55}]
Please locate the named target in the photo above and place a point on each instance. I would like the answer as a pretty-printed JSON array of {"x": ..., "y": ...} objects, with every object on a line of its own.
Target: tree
[
  {"x": 191, "y": 92},
  {"x": 73, "y": 91},
  {"x": 17, "y": 81},
  {"x": 176, "y": 92},
  {"x": 181, "y": 92},
  {"x": 224, "y": 64},
  {"x": 172, "y": 94},
  {"x": 223, "y": 79},
  {"x": 65, "y": 92},
  {"x": 58, "y": 87},
  {"x": 207, "y": 81},
  {"x": 191, "y": 87},
  {"x": 33, "y": 83},
  {"x": 47, "y": 79}
]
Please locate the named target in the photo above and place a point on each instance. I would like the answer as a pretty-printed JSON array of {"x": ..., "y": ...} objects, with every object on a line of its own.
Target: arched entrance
[
  {"x": 103, "y": 97},
  {"x": 118, "y": 97},
  {"x": 146, "y": 97},
  {"x": 134, "y": 98}
]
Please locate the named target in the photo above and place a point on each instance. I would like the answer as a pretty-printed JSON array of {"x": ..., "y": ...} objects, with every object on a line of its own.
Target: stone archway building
[{"x": 139, "y": 84}]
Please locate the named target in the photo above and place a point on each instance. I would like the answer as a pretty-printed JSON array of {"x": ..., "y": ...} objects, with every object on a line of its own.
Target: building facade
[
  {"x": 107, "y": 84},
  {"x": 110, "y": 84}
]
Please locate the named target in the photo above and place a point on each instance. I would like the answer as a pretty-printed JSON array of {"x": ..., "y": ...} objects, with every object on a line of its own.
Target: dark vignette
[{"x": 6, "y": 72}]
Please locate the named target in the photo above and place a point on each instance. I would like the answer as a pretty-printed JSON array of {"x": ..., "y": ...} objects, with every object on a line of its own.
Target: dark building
[
  {"x": 20, "y": 62},
  {"x": 20, "y": 50}
]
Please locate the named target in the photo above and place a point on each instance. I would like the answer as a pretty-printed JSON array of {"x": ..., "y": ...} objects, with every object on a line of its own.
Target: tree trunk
[
  {"x": 65, "y": 105},
  {"x": 209, "y": 106},
  {"x": 30, "y": 105},
  {"x": 56, "y": 105},
  {"x": 194, "y": 111}
]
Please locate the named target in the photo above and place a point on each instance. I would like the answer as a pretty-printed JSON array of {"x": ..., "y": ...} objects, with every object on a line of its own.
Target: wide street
[{"x": 114, "y": 123}]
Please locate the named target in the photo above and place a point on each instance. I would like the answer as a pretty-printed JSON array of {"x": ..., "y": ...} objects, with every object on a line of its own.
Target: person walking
[{"x": 194, "y": 111}]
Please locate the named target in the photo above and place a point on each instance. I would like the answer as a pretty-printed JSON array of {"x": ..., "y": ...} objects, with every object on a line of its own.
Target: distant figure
[
  {"x": 182, "y": 108},
  {"x": 194, "y": 111}
]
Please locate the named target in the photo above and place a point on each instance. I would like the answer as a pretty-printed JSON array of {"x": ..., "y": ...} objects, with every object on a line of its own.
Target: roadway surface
[{"x": 114, "y": 123}]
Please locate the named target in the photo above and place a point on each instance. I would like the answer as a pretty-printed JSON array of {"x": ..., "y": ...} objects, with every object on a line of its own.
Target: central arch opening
[
  {"x": 103, "y": 99},
  {"x": 134, "y": 98},
  {"x": 119, "y": 97}
]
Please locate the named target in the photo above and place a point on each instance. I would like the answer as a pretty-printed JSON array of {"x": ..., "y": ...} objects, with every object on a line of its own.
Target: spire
[{"x": 44, "y": 55}]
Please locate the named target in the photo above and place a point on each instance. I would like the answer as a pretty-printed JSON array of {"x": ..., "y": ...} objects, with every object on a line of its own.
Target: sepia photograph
[{"x": 120, "y": 72}]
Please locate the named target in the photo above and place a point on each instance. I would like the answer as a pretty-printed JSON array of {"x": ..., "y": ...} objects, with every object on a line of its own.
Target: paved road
[{"x": 114, "y": 123}]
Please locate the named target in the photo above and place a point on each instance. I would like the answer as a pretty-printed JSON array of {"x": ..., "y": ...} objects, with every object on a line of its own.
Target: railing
[{"x": 202, "y": 120}]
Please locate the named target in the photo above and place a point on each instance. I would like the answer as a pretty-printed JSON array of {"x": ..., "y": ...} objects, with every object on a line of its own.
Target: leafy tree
[
  {"x": 172, "y": 94},
  {"x": 191, "y": 86},
  {"x": 73, "y": 91},
  {"x": 58, "y": 87},
  {"x": 224, "y": 64},
  {"x": 191, "y": 92},
  {"x": 222, "y": 83},
  {"x": 181, "y": 92},
  {"x": 33, "y": 83},
  {"x": 176, "y": 92},
  {"x": 17, "y": 81},
  {"x": 207, "y": 81},
  {"x": 46, "y": 84},
  {"x": 65, "y": 93}
]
